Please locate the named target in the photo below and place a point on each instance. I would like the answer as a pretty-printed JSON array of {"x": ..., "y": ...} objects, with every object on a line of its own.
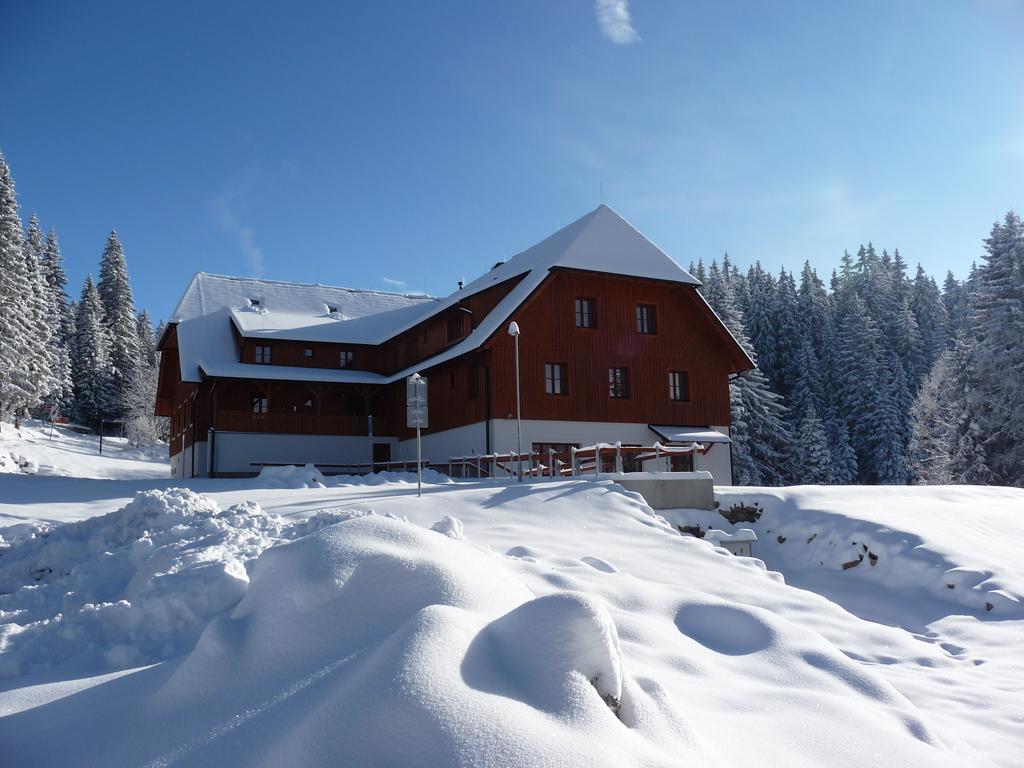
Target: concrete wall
[
  {"x": 237, "y": 452},
  {"x": 691, "y": 490}
]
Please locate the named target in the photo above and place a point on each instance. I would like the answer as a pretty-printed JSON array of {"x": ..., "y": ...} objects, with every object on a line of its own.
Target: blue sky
[{"x": 411, "y": 144}]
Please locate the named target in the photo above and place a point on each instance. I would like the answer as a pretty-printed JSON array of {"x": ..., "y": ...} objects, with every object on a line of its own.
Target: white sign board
[{"x": 416, "y": 402}]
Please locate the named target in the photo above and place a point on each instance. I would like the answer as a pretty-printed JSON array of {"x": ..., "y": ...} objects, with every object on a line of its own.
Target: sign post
[{"x": 416, "y": 416}]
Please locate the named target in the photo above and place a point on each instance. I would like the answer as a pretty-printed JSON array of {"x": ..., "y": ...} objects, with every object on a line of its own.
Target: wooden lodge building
[{"x": 616, "y": 344}]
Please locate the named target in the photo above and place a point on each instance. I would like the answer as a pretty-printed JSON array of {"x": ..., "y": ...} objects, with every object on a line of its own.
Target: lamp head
[{"x": 513, "y": 329}]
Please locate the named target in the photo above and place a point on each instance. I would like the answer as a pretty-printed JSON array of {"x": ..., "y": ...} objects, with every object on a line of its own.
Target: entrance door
[{"x": 381, "y": 455}]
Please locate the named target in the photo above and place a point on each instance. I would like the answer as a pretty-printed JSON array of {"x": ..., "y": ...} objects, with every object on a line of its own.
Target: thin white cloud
[
  {"x": 614, "y": 20},
  {"x": 224, "y": 207},
  {"x": 393, "y": 282}
]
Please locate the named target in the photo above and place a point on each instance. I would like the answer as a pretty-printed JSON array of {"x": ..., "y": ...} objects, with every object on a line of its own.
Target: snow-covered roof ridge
[{"x": 600, "y": 241}]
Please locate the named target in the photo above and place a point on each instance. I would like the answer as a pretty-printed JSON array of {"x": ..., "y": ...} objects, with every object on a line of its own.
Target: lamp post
[{"x": 513, "y": 331}]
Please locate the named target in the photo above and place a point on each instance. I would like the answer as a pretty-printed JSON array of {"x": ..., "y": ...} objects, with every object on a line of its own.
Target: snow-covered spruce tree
[
  {"x": 762, "y": 443},
  {"x": 62, "y": 324},
  {"x": 933, "y": 420},
  {"x": 997, "y": 355},
  {"x": 90, "y": 359},
  {"x": 932, "y": 321},
  {"x": 968, "y": 460},
  {"x": 115, "y": 293},
  {"x": 141, "y": 424},
  {"x": 954, "y": 299},
  {"x": 887, "y": 424},
  {"x": 843, "y": 469},
  {"x": 759, "y": 320},
  {"x": 16, "y": 386},
  {"x": 856, "y": 376},
  {"x": 789, "y": 329},
  {"x": 814, "y": 461},
  {"x": 813, "y": 302},
  {"x": 42, "y": 360}
]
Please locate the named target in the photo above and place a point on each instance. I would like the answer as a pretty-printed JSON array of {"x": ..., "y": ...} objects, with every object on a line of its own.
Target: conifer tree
[
  {"x": 16, "y": 387},
  {"x": 91, "y": 359},
  {"x": 42, "y": 356},
  {"x": 62, "y": 324},
  {"x": 115, "y": 293},
  {"x": 814, "y": 460},
  {"x": 997, "y": 353}
]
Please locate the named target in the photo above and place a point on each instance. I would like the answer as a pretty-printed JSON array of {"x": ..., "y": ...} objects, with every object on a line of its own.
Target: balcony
[{"x": 299, "y": 423}]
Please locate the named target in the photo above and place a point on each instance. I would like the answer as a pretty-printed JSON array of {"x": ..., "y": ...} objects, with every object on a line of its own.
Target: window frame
[
  {"x": 647, "y": 319},
  {"x": 346, "y": 358},
  {"x": 263, "y": 354},
  {"x": 307, "y": 352},
  {"x": 619, "y": 381},
  {"x": 683, "y": 387},
  {"x": 556, "y": 385},
  {"x": 259, "y": 404},
  {"x": 586, "y": 312}
]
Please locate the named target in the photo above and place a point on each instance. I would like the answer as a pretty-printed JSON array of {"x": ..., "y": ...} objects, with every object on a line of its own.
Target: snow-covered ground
[
  {"x": 36, "y": 448},
  {"x": 290, "y": 619}
]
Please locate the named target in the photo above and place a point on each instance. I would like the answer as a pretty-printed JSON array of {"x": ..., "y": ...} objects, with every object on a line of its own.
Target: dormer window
[
  {"x": 332, "y": 309},
  {"x": 263, "y": 354},
  {"x": 255, "y": 303}
]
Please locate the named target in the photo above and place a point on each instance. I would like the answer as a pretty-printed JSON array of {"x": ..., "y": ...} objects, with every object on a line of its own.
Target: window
[
  {"x": 455, "y": 326},
  {"x": 259, "y": 402},
  {"x": 646, "y": 319},
  {"x": 556, "y": 378},
  {"x": 255, "y": 303},
  {"x": 586, "y": 313},
  {"x": 678, "y": 385},
  {"x": 618, "y": 383},
  {"x": 308, "y": 405},
  {"x": 681, "y": 462},
  {"x": 263, "y": 354},
  {"x": 473, "y": 388},
  {"x": 345, "y": 358},
  {"x": 332, "y": 309},
  {"x": 308, "y": 352}
]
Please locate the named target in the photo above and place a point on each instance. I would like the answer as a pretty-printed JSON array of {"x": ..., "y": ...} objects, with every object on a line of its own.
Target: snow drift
[{"x": 601, "y": 636}]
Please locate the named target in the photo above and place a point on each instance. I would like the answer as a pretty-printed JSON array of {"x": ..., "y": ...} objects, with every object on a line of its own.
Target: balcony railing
[{"x": 298, "y": 423}]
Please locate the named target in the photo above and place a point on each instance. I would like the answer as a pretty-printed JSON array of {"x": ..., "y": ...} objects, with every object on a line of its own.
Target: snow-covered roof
[
  {"x": 689, "y": 434},
  {"x": 742, "y": 535},
  {"x": 233, "y": 370},
  {"x": 600, "y": 241},
  {"x": 270, "y": 308}
]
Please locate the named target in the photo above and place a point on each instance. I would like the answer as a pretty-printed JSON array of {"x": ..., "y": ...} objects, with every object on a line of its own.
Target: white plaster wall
[
  {"x": 181, "y": 463},
  {"x": 438, "y": 447},
  {"x": 238, "y": 451},
  {"x": 718, "y": 460}
]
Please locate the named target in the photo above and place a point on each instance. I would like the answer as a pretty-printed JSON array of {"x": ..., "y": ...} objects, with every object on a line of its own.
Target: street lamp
[{"x": 513, "y": 331}]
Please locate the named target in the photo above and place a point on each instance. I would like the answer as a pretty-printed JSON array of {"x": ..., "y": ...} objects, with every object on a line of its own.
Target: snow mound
[
  {"x": 953, "y": 546},
  {"x": 12, "y": 462},
  {"x": 127, "y": 588},
  {"x": 449, "y": 526},
  {"x": 306, "y": 476}
]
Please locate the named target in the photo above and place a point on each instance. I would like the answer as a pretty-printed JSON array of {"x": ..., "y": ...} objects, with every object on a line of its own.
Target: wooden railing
[{"x": 298, "y": 423}]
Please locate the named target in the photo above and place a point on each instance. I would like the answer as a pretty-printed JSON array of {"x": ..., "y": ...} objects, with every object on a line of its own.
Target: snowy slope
[
  {"x": 35, "y": 448},
  {"x": 554, "y": 623}
]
